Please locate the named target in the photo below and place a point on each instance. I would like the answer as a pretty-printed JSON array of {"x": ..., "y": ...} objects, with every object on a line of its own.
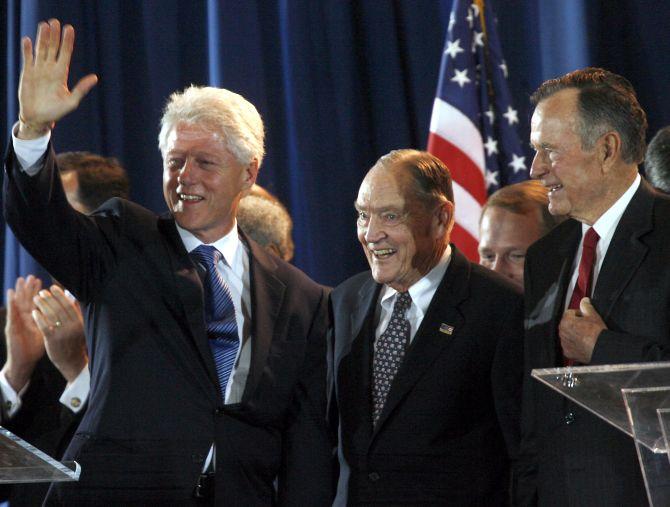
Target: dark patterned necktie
[
  {"x": 219, "y": 315},
  {"x": 389, "y": 352}
]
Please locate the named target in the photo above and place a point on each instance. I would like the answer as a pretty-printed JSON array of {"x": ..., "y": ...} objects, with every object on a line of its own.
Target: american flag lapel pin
[{"x": 446, "y": 329}]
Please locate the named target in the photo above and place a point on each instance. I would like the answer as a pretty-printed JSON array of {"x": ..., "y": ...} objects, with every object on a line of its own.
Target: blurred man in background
[
  {"x": 512, "y": 219},
  {"x": 265, "y": 219},
  {"x": 657, "y": 160}
]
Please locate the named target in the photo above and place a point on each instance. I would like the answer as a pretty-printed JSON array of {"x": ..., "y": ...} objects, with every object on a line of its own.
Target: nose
[
  {"x": 499, "y": 265},
  {"x": 185, "y": 173},
  {"x": 374, "y": 231},
  {"x": 538, "y": 168}
]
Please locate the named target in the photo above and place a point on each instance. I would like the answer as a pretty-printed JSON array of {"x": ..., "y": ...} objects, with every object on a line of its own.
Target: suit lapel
[
  {"x": 363, "y": 329},
  {"x": 557, "y": 272},
  {"x": 267, "y": 296},
  {"x": 429, "y": 342},
  {"x": 625, "y": 252},
  {"x": 354, "y": 363},
  {"x": 190, "y": 302}
]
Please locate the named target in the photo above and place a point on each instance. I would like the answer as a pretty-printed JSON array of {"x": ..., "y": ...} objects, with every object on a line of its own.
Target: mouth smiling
[
  {"x": 190, "y": 197},
  {"x": 554, "y": 188},
  {"x": 382, "y": 253}
]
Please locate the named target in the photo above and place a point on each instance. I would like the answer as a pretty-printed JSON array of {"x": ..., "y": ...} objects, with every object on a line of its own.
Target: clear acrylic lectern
[
  {"x": 21, "y": 462},
  {"x": 635, "y": 398}
]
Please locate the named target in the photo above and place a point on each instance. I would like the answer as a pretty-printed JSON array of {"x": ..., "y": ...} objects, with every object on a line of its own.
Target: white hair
[{"x": 221, "y": 111}]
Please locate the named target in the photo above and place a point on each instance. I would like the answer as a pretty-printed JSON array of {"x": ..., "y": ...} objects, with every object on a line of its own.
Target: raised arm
[{"x": 44, "y": 96}]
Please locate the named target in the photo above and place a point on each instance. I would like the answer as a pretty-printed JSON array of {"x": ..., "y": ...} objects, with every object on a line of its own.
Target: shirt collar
[
  {"x": 608, "y": 221},
  {"x": 423, "y": 290},
  {"x": 228, "y": 245}
]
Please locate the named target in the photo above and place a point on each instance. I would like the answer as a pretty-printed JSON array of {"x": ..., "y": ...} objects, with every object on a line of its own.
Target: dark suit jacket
[
  {"x": 155, "y": 405},
  {"x": 570, "y": 457},
  {"x": 455, "y": 400},
  {"x": 41, "y": 421}
]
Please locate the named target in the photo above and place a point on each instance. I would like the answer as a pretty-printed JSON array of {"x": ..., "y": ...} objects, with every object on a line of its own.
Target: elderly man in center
[
  {"x": 207, "y": 354},
  {"x": 425, "y": 352}
]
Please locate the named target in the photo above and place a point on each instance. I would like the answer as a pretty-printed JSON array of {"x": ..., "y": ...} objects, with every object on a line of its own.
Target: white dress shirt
[
  {"x": 605, "y": 227},
  {"x": 421, "y": 292}
]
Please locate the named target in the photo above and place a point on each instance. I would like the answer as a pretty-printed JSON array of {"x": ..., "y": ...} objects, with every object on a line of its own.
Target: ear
[
  {"x": 609, "y": 150},
  {"x": 444, "y": 218},
  {"x": 250, "y": 174}
]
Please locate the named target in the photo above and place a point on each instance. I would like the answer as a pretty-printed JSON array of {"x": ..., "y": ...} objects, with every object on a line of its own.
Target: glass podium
[
  {"x": 635, "y": 398},
  {"x": 21, "y": 462}
]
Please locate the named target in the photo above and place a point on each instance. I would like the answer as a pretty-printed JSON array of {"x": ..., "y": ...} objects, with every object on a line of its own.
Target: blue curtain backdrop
[{"x": 339, "y": 83}]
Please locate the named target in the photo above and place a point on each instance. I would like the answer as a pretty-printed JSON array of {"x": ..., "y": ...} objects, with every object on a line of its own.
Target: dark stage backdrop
[{"x": 339, "y": 83}]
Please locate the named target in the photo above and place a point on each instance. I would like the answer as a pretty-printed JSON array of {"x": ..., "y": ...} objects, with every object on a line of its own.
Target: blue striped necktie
[{"x": 219, "y": 315}]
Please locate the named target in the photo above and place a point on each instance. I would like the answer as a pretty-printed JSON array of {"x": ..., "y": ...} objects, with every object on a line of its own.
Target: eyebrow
[{"x": 379, "y": 210}]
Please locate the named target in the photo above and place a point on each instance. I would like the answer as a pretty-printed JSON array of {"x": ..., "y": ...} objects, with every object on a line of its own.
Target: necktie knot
[
  {"x": 207, "y": 255},
  {"x": 591, "y": 239},
  {"x": 403, "y": 301}
]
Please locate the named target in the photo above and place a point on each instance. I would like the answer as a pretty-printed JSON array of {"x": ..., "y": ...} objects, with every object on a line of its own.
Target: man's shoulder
[
  {"x": 555, "y": 237},
  {"x": 352, "y": 286},
  {"x": 289, "y": 275},
  {"x": 487, "y": 285}
]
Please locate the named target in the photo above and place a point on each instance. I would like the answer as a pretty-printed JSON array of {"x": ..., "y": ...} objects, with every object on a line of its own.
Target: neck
[{"x": 614, "y": 189}]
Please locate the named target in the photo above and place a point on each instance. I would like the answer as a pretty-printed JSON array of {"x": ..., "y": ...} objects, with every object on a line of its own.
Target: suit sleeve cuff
[
  {"x": 76, "y": 392},
  {"x": 30, "y": 153}
]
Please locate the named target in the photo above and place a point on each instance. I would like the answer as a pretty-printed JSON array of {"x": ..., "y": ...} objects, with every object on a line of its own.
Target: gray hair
[
  {"x": 606, "y": 101},
  {"x": 268, "y": 223},
  {"x": 657, "y": 160},
  {"x": 221, "y": 111}
]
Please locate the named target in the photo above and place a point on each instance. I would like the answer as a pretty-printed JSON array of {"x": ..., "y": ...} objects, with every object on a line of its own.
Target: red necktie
[{"x": 585, "y": 278}]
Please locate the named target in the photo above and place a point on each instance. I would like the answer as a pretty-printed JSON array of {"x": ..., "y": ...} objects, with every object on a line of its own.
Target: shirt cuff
[
  {"x": 30, "y": 152},
  {"x": 76, "y": 392},
  {"x": 11, "y": 400}
]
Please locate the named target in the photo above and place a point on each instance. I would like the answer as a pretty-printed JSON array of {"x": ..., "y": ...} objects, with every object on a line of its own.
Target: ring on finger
[{"x": 59, "y": 323}]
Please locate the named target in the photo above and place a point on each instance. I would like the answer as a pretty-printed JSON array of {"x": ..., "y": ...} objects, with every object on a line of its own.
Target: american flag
[{"x": 473, "y": 128}]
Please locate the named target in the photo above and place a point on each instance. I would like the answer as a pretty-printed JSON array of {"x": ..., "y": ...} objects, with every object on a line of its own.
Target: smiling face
[
  {"x": 203, "y": 181},
  {"x": 401, "y": 237},
  {"x": 504, "y": 237},
  {"x": 574, "y": 177}
]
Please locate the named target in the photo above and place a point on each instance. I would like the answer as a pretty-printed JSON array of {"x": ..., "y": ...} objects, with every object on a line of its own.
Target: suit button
[
  {"x": 569, "y": 418},
  {"x": 374, "y": 476},
  {"x": 218, "y": 411}
]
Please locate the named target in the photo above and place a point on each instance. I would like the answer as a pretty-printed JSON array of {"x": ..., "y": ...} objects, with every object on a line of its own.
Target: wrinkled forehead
[
  {"x": 381, "y": 189},
  {"x": 189, "y": 133},
  {"x": 562, "y": 107}
]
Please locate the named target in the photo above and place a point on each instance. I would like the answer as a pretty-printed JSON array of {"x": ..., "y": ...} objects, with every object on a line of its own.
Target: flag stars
[
  {"x": 461, "y": 77},
  {"x": 478, "y": 40},
  {"x": 491, "y": 146},
  {"x": 491, "y": 179},
  {"x": 511, "y": 115},
  {"x": 470, "y": 18},
  {"x": 491, "y": 115},
  {"x": 453, "y": 48},
  {"x": 518, "y": 163},
  {"x": 452, "y": 21}
]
